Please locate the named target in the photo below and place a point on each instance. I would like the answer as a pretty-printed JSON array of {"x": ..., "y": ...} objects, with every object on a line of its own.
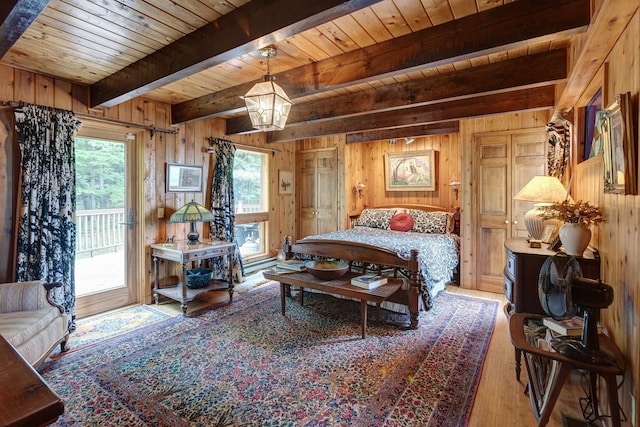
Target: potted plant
[{"x": 578, "y": 216}]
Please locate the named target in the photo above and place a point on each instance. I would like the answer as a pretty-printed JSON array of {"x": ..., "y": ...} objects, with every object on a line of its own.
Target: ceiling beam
[
  {"x": 246, "y": 29},
  {"x": 523, "y": 72},
  {"x": 405, "y": 132},
  {"x": 510, "y": 26},
  {"x": 517, "y": 100},
  {"x": 605, "y": 31},
  {"x": 16, "y": 16}
]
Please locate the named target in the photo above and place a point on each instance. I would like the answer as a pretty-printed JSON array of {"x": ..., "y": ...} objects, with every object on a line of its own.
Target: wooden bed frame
[{"x": 360, "y": 254}]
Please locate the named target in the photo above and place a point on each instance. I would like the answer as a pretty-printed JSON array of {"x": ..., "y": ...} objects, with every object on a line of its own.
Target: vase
[
  {"x": 575, "y": 238},
  {"x": 280, "y": 255}
]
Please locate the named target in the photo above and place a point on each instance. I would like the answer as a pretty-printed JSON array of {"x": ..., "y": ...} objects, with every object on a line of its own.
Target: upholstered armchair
[{"x": 31, "y": 321}]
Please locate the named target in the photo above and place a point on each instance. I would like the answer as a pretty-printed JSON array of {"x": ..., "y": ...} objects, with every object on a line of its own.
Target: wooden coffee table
[{"x": 341, "y": 286}]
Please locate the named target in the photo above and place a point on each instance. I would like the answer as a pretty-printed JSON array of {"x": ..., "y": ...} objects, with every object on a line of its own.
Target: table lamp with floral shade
[
  {"x": 192, "y": 212},
  {"x": 578, "y": 217}
]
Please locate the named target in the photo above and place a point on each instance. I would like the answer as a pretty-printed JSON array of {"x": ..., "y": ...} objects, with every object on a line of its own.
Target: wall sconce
[
  {"x": 409, "y": 140},
  {"x": 358, "y": 189},
  {"x": 455, "y": 186}
]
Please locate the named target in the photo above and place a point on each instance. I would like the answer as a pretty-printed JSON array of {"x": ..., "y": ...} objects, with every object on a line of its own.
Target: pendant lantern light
[{"x": 267, "y": 103}]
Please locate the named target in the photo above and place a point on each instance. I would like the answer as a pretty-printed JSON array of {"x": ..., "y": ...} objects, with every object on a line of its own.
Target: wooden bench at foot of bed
[{"x": 363, "y": 253}]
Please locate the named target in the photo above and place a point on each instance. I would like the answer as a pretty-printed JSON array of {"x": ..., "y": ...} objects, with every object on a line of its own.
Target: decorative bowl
[
  {"x": 327, "y": 269},
  {"x": 198, "y": 277}
]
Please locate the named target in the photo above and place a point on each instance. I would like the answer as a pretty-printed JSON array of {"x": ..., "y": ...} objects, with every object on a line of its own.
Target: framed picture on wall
[
  {"x": 184, "y": 178},
  {"x": 410, "y": 171},
  {"x": 285, "y": 182},
  {"x": 592, "y": 135},
  {"x": 619, "y": 147}
]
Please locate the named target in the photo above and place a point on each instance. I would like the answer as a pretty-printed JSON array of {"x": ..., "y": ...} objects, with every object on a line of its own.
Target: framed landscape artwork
[
  {"x": 184, "y": 178},
  {"x": 619, "y": 148},
  {"x": 410, "y": 171}
]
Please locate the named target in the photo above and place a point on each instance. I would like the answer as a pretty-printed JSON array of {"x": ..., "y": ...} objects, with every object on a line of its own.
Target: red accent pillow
[{"x": 401, "y": 222}]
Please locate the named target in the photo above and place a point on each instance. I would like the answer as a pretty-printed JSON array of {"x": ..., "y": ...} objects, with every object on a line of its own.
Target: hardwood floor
[{"x": 500, "y": 399}]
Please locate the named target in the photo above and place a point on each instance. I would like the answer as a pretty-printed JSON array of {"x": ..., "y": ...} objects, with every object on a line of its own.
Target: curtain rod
[
  {"x": 152, "y": 129},
  {"x": 273, "y": 151}
]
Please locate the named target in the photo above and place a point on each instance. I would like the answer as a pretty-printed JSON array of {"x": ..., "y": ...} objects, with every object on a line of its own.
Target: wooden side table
[
  {"x": 185, "y": 254},
  {"x": 521, "y": 278},
  {"x": 542, "y": 404}
]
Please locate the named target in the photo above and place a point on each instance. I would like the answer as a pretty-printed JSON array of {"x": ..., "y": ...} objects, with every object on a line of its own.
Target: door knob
[
  {"x": 506, "y": 221},
  {"x": 129, "y": 223}
]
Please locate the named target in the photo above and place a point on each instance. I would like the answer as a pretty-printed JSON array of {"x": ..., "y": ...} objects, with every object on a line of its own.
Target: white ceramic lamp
[{"x": 543, "y": 191}]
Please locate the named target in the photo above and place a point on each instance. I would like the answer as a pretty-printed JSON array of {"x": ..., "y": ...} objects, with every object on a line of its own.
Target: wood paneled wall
[
  {"x": 188, "y": 145},
  {"x": 618, "y": 238},
  {"x": 366, "y": 164}
]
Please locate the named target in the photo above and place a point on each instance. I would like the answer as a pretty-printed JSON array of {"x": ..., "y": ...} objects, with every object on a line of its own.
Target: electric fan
[{"x": 563, "y": 292}]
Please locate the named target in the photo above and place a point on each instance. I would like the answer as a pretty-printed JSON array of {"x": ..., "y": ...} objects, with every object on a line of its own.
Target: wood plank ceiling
[{"x": 370, "y": 69}]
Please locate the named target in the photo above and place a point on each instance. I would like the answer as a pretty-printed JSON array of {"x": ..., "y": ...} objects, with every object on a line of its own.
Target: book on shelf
[
  {"x": 572, "y": 326},
  {"x": 291, "y": 264},
  {"x": 369, "y": 281}
]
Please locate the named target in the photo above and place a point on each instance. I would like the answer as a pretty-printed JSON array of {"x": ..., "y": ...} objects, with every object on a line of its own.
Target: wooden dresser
[{"x": 522, "y": 270}]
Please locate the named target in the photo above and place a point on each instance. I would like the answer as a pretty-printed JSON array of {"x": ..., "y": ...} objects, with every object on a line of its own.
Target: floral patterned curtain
[
  {"x": 46, "y": 228},
  {"x": 223, "y": 206}
]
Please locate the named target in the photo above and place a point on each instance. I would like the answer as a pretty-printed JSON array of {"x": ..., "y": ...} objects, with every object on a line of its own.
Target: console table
[
  {"x": 185, "y": 254},
  {"x": 340, "y": 286},
  {"x": 542, "y": 403}
]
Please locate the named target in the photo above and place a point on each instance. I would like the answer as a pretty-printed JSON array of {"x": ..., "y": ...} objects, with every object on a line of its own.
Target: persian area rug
[
  {"x": 244, "y": 364},
  {"x": 102, "y": 327}
]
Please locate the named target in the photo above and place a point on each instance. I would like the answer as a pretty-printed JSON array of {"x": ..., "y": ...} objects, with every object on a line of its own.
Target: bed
[{"x": 419, "y": 243}]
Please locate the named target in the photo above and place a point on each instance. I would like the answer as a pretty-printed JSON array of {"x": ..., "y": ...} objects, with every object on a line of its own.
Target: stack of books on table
[
  {"x": 368, "y": 281},
  {"x": 291, "y": 264},
  {"x": 571, "y": 326}
]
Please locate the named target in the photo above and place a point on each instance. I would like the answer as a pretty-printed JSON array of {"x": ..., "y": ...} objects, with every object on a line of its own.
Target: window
[{"x": 250, "y": 186}]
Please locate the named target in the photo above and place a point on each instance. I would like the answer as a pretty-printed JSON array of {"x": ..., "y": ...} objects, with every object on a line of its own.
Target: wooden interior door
[
  {"x": 317, "y": 191},
  {"x": 529, "y": 159},
  {"x": 326, "y": 191},
  {"x": 506, "y": 162}
]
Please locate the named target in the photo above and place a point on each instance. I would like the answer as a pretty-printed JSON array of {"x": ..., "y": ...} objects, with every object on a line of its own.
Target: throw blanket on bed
[{"x": 438, "y": 254}]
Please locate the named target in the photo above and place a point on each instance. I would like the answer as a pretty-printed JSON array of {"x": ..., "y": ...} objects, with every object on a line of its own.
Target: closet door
[
  {"x": 506, "y": 162},
  {"x": 317, "y": 194}
]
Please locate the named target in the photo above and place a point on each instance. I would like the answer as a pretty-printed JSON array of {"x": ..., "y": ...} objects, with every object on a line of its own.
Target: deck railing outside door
[{"x": 99, "y": 230}]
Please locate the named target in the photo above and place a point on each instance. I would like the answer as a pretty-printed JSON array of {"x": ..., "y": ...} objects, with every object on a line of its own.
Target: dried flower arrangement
[{"x": 580, "y": 212}]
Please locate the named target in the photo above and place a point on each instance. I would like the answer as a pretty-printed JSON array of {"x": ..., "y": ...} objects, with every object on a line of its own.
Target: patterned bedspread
[{"x": 438, "y": 254}]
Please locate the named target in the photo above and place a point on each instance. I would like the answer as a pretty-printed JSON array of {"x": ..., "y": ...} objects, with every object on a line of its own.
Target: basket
[{"x": 198, "y": 277}]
